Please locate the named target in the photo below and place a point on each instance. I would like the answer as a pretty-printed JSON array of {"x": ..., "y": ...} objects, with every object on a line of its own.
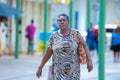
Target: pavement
[{"x": 25, "y": 67}]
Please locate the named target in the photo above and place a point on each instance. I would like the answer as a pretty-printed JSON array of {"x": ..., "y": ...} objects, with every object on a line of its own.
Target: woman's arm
[
  {"x": 89, "y": 60},
  {"x": 44, "y": 60}
]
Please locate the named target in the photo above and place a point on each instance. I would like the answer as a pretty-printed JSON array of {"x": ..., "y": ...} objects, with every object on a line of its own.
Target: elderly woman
[{"x": 62, "y": 46}]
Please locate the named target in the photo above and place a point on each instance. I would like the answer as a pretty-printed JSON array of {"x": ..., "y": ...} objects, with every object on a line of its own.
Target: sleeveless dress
[{"x": 66, "y": 65}]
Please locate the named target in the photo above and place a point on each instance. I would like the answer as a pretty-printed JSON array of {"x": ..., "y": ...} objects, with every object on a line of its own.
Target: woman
[
  {"x": 63, "y": 49},
  {"x": 115, "y": 44}
]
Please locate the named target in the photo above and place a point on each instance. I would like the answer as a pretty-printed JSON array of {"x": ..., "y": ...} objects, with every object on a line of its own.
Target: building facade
[{"x": 34, "y": 9}]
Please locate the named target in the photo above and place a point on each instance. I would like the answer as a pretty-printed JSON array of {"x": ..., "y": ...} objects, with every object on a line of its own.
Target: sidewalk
[
  {"x": 25, "y": 68},
  {"x": 112, "y": 70}
]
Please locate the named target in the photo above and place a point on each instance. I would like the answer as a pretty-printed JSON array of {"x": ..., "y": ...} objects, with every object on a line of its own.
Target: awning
[{"x": 7, "y": 10}]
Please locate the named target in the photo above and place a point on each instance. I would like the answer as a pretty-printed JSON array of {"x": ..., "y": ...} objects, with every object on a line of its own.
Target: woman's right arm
[{"x": 44, "y": 60}]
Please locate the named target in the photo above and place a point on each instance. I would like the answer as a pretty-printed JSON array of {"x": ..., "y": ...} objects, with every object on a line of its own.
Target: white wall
[
  {"x": 57, "y": 9},
  {"x": 78, "y": 5},
  {"x": 112, "y": 11},
  {"x": 4, "y": 1}
]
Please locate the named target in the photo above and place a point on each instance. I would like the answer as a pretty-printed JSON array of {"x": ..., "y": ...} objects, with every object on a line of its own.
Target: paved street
[{"x": 25, "y": 68}]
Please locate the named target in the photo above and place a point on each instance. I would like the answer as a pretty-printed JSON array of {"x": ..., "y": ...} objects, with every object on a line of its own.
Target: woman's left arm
[{"x": 89, "y": 60}]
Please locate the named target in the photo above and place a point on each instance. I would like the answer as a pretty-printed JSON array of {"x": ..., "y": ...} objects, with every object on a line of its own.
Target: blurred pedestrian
[
  {"x": 54, "y": 24},
  {"x": 63, "y": 47},
  {"x": 96, "y": 39},
  {"x": 90, "y": 39},
  {"x": 30, "y": 36},
  {"x": 115, "y": 44}
]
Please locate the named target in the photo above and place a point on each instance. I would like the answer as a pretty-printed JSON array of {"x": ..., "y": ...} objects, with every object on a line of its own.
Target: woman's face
[{"x": 63, "y": 22}]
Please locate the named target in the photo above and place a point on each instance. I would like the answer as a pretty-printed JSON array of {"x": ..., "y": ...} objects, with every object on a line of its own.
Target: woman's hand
[
  {"x": 89, "y": 66},
  {"x": 39, "y": 72}
]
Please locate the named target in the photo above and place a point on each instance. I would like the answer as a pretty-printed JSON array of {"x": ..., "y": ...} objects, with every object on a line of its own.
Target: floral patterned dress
[{"x": 66, "y": 65}]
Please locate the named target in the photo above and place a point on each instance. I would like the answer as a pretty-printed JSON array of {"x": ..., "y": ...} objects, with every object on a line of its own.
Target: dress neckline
[{"x": 58, "y": 32}]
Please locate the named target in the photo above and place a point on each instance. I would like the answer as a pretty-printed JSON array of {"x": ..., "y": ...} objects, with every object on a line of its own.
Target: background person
[
  {"x": 115, "y": 44},
  {"x": 62, "y": 46},
  {"x": 90, "y": 39},
  {"x": 96, "y": 39},
  {"x": 30, "y": 36}
]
